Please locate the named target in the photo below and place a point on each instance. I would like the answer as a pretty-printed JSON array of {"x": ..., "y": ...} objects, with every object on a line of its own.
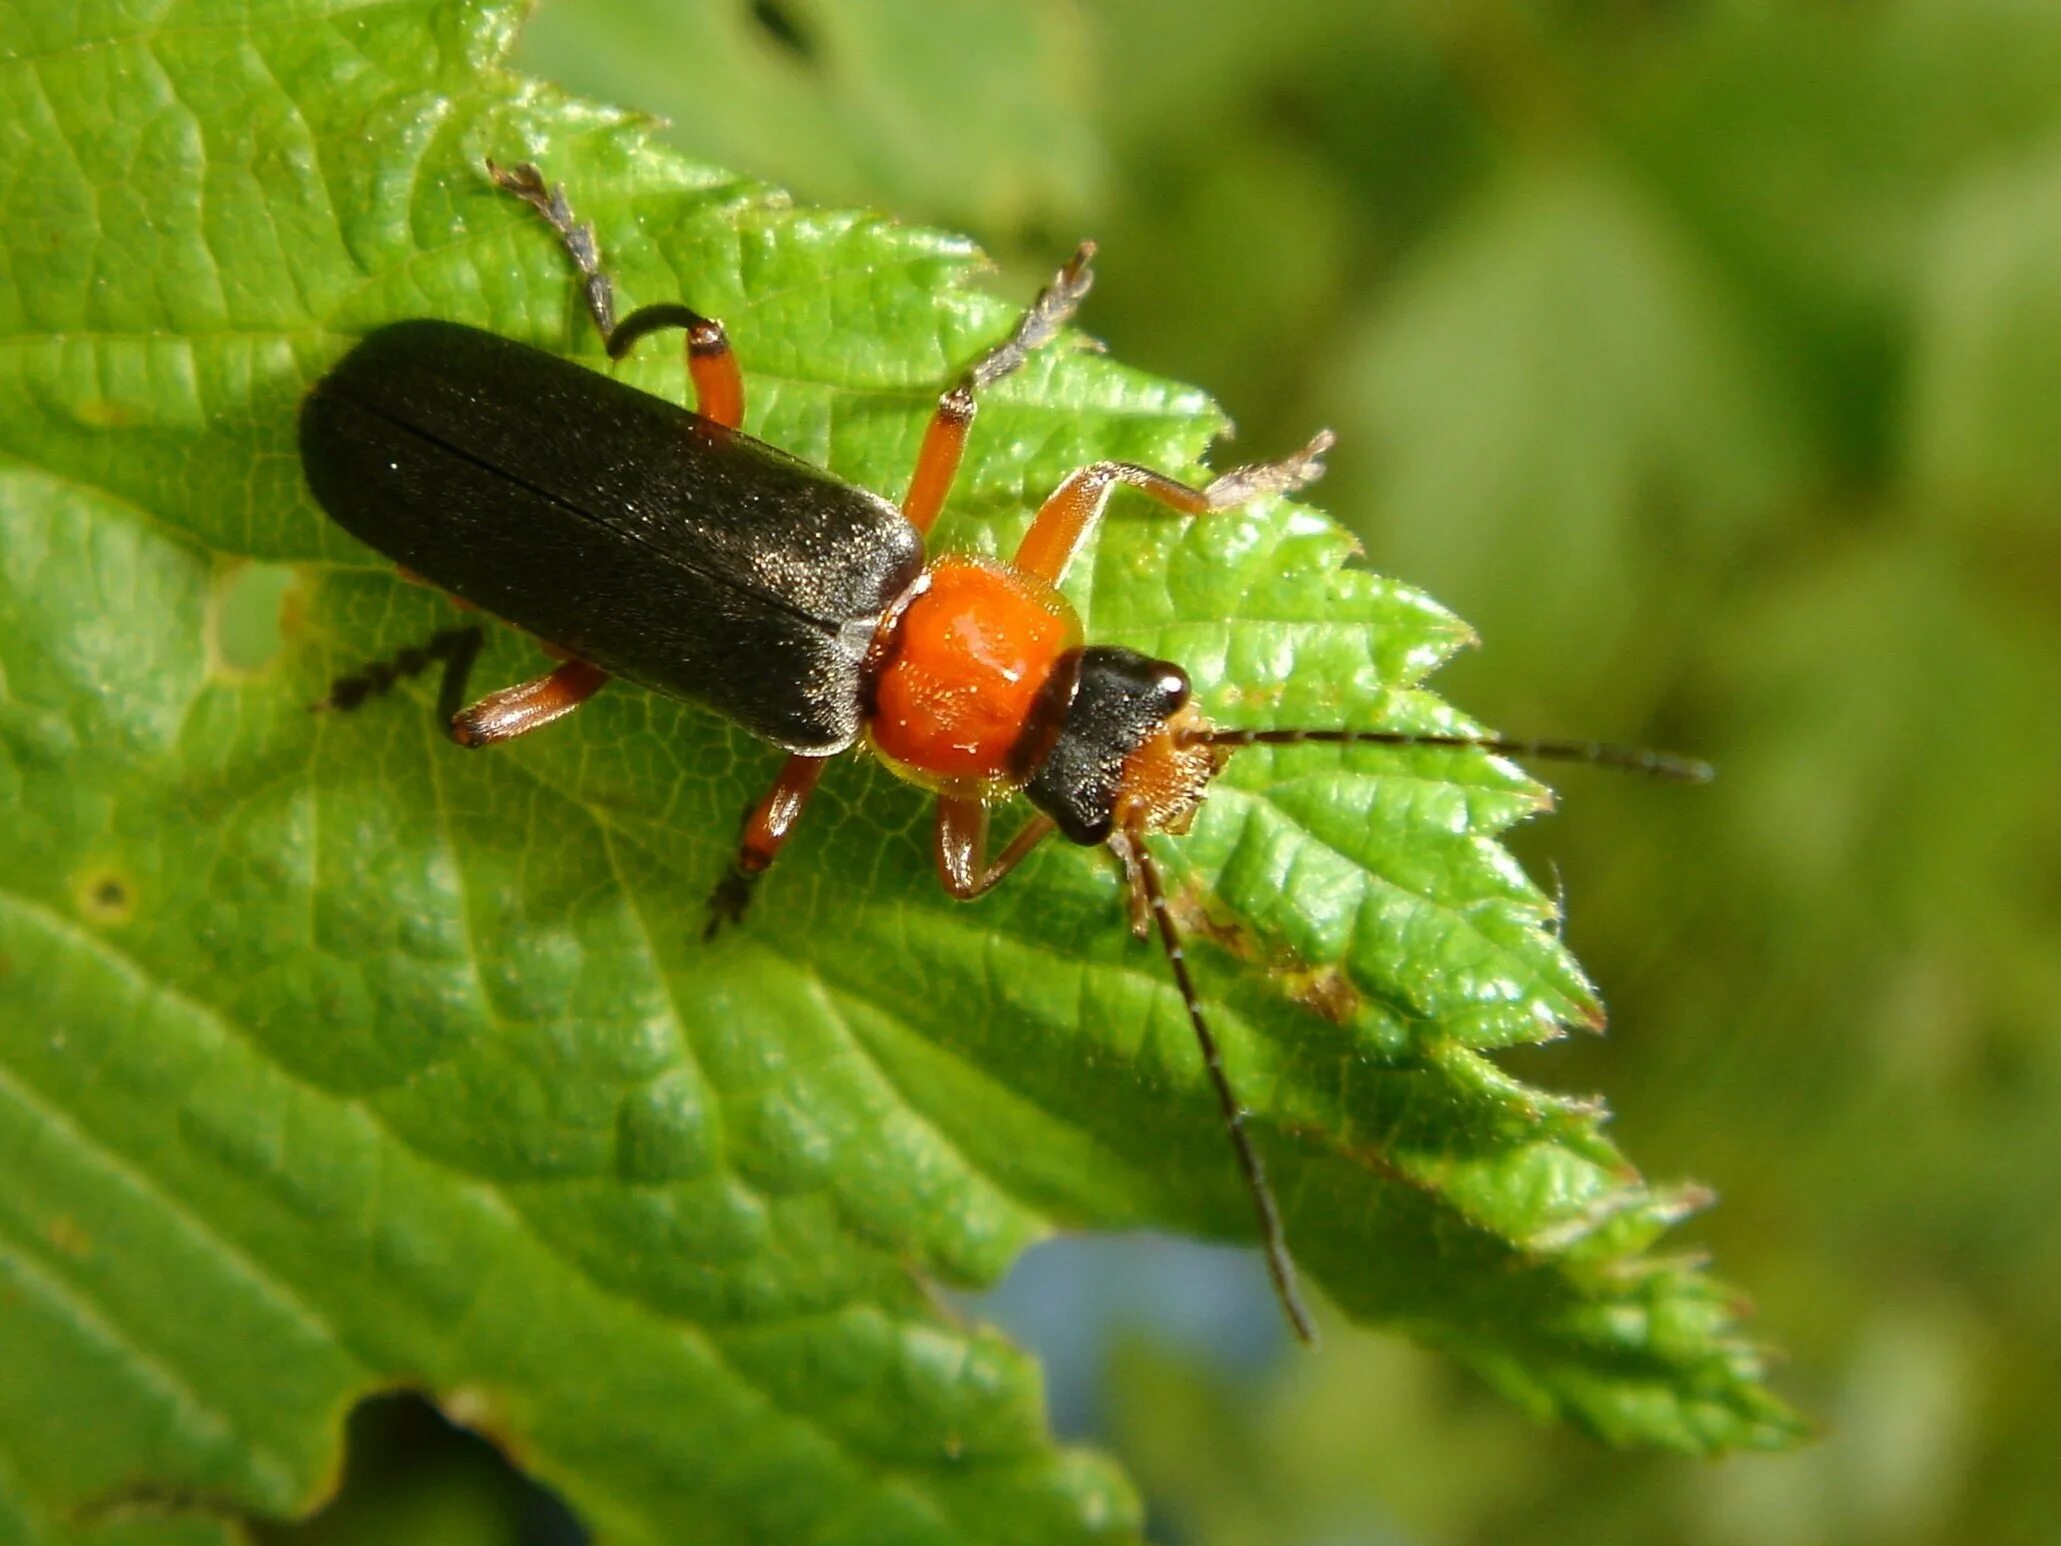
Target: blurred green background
[{"x": 1707, "y": 358}]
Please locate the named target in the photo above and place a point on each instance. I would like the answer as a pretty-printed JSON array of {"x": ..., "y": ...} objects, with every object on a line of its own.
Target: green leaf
[{"x": 332, "y": 1060}]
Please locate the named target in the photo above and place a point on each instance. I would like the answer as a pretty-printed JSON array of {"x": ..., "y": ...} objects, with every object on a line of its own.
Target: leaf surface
[{"x": 333, "y": 1060}]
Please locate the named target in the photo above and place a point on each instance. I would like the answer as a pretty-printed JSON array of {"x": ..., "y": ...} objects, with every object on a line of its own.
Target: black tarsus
[
  {"x": 457, "y": 648},
  {"x": 1053, "y": 308},
  {"x": 730, "y": 900},
  {"x": 548, "y": 199},
  {"x": 577, "y": 237},
  {"x": 1273, "y": 1239}
]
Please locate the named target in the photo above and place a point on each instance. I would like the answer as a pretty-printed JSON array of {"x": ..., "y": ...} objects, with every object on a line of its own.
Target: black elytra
[{"x": 657, "y": 544}]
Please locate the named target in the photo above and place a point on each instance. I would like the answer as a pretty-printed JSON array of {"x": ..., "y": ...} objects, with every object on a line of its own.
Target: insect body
[{"x": 637, "y": 539}]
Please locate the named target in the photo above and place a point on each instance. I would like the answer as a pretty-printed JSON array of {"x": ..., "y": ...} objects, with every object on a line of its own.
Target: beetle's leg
[
  {"x": 527, "y": 706},
  {"x": 548, "y": 200},
  {"x": 457, "y": 648},
  {"x": 1064, "y": 520},
  {"x": 500, "y": 716},
  {"x": 773, "y": 818},
  {"x": 766, "y": 827},
  {"x": 961, "y": 845},
  {"x": 1137, "y": 899},
  {"x": 944, "y": 442},
  {"x": 718, "y": 388}
]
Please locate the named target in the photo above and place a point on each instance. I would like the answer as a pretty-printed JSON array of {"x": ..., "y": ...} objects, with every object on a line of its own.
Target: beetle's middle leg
[
  {"x": 718, "y": 386},
  {"x": 944, "y": 442},
  {"x": 1064, "y": 521}
]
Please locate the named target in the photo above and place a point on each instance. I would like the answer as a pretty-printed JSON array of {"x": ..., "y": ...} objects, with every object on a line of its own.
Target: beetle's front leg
[
  {"x": 961, "y": 845},
  {"x": 766, "y": 828},
  {"x": 1066, "y": 518}
]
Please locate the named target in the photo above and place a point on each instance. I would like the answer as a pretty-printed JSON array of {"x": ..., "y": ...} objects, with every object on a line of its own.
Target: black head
[{"x": 1099, "y": 739}]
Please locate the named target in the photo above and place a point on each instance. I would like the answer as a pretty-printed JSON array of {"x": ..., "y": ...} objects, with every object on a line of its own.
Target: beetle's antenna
[
  {"x": 1272, "y": 1238},
  {"x": 1631, "y": 759}
]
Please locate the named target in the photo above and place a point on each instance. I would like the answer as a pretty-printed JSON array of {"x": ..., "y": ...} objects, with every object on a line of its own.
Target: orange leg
[
  {"x": 944, "y": 442},
  {"x": 527, "y": 706},
  {"x": 937, "y": 463},
  {"x": 1064, "y": 521},
  {"x": 765, "y": 830},
  {"x": 718, "y": 387},
  {"x": 962, "y": 846},
  {"x": 415, "y": 579},
  {"x": 777, "y": 811}
]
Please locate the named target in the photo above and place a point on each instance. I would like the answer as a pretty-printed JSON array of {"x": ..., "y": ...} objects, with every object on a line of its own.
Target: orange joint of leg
[{"x": 718, "y": 387}]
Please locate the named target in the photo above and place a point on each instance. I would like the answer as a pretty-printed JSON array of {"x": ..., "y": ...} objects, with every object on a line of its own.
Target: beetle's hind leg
[{"x": 718, "y": 386}]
